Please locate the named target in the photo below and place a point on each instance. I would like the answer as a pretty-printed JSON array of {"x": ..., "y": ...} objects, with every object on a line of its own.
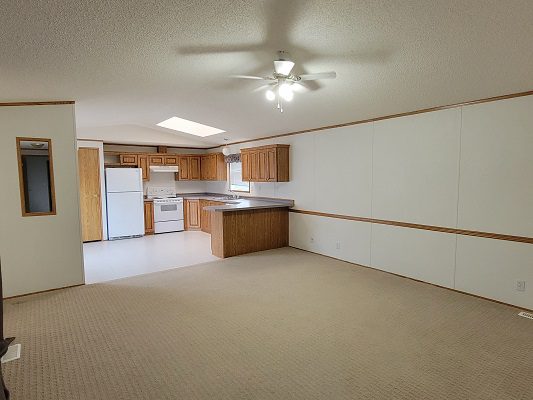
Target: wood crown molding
[
  {"x": 37, "y": 103},
  {"x": 489, "y": 235},
  {"x": 404, "y": 114}
]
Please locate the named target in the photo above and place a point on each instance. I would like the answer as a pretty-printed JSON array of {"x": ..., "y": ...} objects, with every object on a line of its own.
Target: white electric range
[{"x": 168, "y": 209}]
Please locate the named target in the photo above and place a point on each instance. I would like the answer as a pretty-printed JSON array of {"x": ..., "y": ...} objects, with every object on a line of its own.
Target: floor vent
[
  {"x": 13, "y": 353},
  {"x": 526, "y": 314}
]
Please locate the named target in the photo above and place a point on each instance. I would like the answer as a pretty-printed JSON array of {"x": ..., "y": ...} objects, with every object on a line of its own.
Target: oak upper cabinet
[
  {"x": 148, "y": 217},
  {"x": 192, "y": 214},
  {"x": 183, "y": 174},
  {"x": 157, "y": 159},
  {"x": 144, "y": 165},
  {"x": 245, "y": 160},
  {"x": 213, "y": 167},
  {"x": 128, "y": 160},
  {"x": 171, "y": 159},
  {"x": 206, "y": 167},
  {"x": 266, "y": 163},
  {"x": 194, "y": 168}
]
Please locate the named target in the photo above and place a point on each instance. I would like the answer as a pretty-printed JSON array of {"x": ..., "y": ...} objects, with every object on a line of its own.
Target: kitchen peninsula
[{"x": 245, "y": 225}]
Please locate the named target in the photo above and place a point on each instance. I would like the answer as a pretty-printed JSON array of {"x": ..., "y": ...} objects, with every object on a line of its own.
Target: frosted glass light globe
[{"x": 270, "y": 95}]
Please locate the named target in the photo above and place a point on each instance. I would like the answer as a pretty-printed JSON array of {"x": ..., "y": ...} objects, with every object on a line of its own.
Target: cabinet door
[
  {"x": 263, "y": 165},
  {"x": 148, "y": 217},
  {"x": 194, "y": 168},
  {"x": 171, "y": 160},
  {"x": 254, "y": 166},
  {"x": 272, "y": 168},
  {"x": 157, "y": 160},
  {"x": 205, "y": 222},
  {"x": 128, "y": 159},
  {"x": 183, "y": 174},
  {"x": 221, "y": 168},
  {"x": 143, "y": 164},
  {"x": 204, "y": 167},
  {"x": 192, "y": 214},
  {"x": 245, "y": 160}
]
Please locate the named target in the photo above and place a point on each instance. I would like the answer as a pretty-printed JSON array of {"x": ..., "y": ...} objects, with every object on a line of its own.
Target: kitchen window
[{"x": 235, "y": 178}]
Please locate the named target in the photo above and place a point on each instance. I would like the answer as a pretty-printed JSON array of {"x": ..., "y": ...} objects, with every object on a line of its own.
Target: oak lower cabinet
[
  {"x": 148, "y": 217},
  {"x": 206, "y": 216},
  {"x": 191, "y": 211},
  {"x": 266, "y": 163}
]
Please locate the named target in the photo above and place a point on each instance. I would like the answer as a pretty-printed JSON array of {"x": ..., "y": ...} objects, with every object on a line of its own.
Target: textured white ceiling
[{"x": 130, "y": 65}]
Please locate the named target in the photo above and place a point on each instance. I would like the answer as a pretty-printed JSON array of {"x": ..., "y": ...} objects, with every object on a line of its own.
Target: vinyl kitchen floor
[{"x": 108, "y": 260}]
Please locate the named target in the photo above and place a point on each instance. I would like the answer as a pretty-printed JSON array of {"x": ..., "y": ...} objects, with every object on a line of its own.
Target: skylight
[{"x": 191, "y": 127}]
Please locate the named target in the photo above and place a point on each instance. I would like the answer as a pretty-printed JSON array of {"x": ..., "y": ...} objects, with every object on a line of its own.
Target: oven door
[{"x": 168, "y": 211}]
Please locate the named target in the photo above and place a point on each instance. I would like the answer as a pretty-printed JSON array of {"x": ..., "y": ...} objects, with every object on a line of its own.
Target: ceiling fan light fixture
[{"x": 285, "y": 91}]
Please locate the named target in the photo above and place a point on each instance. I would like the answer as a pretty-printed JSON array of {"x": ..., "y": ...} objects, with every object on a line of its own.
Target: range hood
[{"x": 164, "y": 168}]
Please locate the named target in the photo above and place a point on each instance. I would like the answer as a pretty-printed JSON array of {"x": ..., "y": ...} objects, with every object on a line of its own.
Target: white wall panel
[
  {"x": 425, "y": 255},
  {"x": 353, "y": 237},
  {"x": 45, "y": 252},
  {"x": 491, "y": 268},
  {"x": 496, "y": 181},
  {"x": 343, "y": 170},
  {"x": 415, "y": 168}
]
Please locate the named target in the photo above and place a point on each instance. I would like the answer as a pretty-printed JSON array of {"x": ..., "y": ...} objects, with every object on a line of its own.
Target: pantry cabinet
[{"x": 265, "y": 163}]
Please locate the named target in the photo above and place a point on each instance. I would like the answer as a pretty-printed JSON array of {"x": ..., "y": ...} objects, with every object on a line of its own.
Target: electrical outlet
[
  {"x": 338, "y": 245},
  {"x": 521, "y": 286}
]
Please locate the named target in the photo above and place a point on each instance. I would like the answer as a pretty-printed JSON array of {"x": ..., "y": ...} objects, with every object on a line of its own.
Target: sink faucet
[{"x": 234, "y": 195}]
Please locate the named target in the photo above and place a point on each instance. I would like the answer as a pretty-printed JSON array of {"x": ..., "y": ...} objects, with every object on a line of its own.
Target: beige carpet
[{"x": 282, "y": 324}]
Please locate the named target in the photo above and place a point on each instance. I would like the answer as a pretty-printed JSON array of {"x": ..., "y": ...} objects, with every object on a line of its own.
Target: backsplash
[{"x": 165, "y": 179}]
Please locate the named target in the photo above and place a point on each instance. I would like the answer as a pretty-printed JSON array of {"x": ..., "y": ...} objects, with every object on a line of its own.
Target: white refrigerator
[{"x": 125, "y": 203}]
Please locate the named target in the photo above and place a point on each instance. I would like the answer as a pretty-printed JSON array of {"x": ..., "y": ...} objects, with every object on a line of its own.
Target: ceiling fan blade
[
  {"x": 283, "y": 67},
  {"x": 266, "y": 78},
  {"x": 299, "y": 88},
  {"x": 319, "y": 75},
  {"x": 263, "y": 87}
]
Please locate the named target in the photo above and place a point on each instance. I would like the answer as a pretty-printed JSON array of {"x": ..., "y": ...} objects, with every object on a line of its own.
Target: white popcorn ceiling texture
[{"x": 130, "y": 65}]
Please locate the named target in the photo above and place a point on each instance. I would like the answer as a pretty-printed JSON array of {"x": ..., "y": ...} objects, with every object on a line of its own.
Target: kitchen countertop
[{"x": 243, "y": 203}]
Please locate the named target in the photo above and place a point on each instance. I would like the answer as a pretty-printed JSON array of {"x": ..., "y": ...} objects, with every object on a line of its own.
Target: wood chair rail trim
[{"x": 466, "y": 232}]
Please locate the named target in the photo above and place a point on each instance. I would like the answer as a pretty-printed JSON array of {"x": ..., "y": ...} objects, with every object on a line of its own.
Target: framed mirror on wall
[{"x": 36, "y": 176}]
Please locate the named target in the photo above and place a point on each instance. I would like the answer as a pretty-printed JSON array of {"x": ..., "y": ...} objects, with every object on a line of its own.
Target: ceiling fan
[{"x": 282, "y": 82}]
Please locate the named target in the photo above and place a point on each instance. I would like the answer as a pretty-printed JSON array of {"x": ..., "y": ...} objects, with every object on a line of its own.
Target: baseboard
[{"x": 43, "y": 291}]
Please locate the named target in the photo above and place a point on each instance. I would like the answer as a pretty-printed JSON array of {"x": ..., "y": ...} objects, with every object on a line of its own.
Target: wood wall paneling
[
  {"x": 241, "y": 232},
  {"x": 90, "y": 194}
]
